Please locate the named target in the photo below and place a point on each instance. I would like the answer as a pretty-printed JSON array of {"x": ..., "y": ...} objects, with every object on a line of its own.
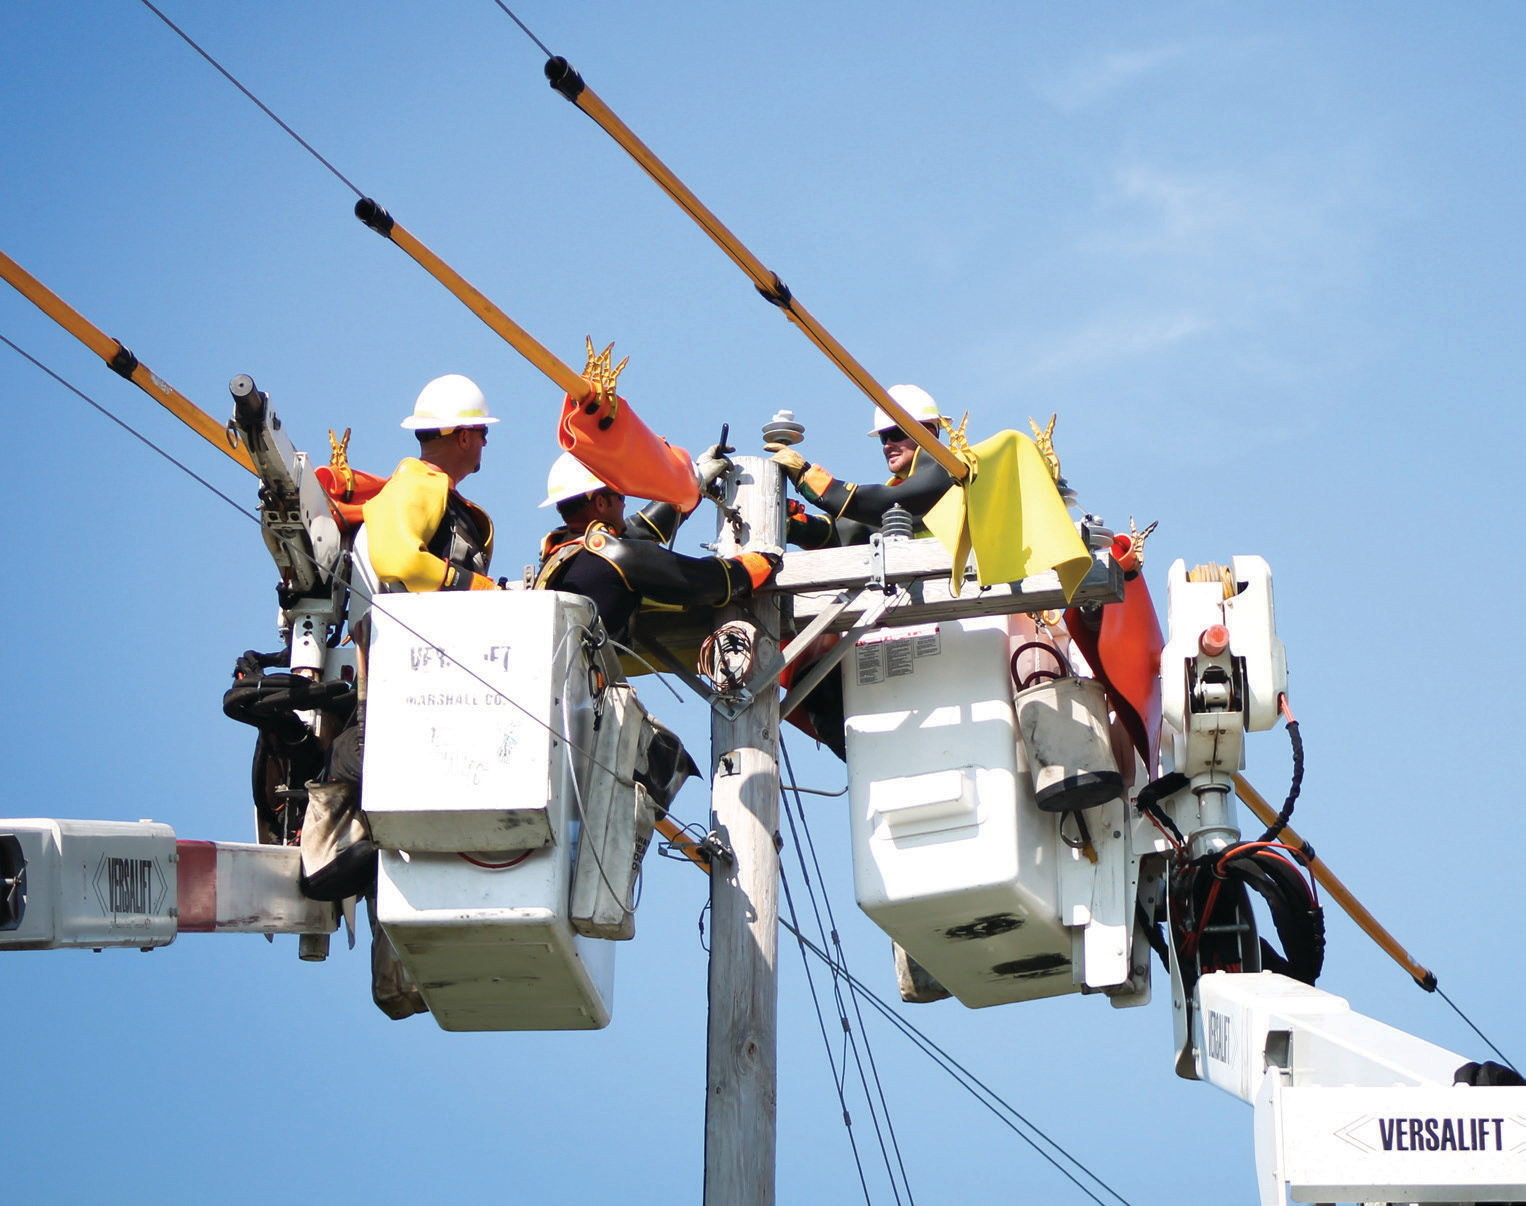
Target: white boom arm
[
  {"x": 96, "y": 884},
  {"x": 1349, "y": 1109},
  {"x": 299, "y": 529}
]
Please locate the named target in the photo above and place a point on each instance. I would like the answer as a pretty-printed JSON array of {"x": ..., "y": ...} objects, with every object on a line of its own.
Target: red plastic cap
[{"x": 1214, "y": 641}]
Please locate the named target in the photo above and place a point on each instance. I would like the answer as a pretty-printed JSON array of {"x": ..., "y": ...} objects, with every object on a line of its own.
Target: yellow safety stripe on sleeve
[
  {"x": 400, "y": 522},
  {"x": 730, "y": 587},
  {"x": 662, "y": 536}
]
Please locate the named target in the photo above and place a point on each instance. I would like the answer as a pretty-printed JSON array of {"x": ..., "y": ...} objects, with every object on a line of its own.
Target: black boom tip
[
  {"x": 374, "y": 216},
  {"x": 564, "y": 77}
]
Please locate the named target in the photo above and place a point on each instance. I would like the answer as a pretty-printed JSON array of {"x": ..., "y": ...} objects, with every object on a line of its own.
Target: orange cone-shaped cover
[
  {"x": 606, "y": 436},
  {"x": 625, "y": 454},
  {"x": 349, "y": 497}
]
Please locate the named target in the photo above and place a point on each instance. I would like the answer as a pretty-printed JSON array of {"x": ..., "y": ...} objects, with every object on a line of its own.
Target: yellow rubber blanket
[
  {"x": 1010, "y": 516},
  {"x": 403, "y": 518}
]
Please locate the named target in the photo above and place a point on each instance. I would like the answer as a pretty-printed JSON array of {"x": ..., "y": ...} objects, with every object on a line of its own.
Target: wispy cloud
[
  {"x": 1116, "y": 337},
  {"x": 1096, "y": 79},
  {"x": 1185, "y": 254},
  {"x": 1218, "y": 219}
]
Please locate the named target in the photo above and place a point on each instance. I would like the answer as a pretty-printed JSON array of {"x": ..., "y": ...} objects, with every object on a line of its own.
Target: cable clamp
[
  {"x": 715, "y": 850},
  {"x": 778, "y": 295},
  {"x": 563, "y": 77},
  {"x": 732, "y": 704},
  {"x": 124, "y": 363},
  {"x": 877, "y": 573}
]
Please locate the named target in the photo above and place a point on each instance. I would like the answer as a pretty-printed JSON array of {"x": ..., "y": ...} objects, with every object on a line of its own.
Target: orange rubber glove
[{"x": 760, "y": 567}]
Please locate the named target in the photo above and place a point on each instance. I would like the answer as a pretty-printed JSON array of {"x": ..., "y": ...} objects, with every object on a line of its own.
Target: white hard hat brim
[
  {"x": 421, "y": 423},
  {"x": 890, "y": 424},
  {"x": 576, "y": 480}
]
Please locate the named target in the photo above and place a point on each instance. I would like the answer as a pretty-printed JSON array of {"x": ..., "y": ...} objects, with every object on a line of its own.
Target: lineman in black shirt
[
  {"x": 853, "y": 511},
  {"x": 617, "y": 562}
]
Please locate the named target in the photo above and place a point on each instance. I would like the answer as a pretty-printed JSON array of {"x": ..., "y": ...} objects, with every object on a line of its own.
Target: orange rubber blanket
[
  {"x": 1125, "y": 654},
  {"x": 349, "y": 498}
]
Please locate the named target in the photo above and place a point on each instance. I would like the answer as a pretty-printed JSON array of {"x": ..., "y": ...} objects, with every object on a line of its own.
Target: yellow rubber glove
[{"x": 793, "y": 464}]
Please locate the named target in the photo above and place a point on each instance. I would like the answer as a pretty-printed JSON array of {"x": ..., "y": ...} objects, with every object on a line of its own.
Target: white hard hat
[
  {"x": 569, "y": 478},
  {"x": 918, "y": 402},
  {"x": 449, "y": 401}
]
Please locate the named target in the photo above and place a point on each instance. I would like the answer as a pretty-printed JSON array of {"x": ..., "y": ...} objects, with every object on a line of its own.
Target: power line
[
  {"x": 298, "y": 551},
  {"x": 836, "y": 989},
  {"x": 227, "y": 75},
  {"x": 137, "y": 435},
  {"x": 1004, "y": 1111},
  {"x": 524, "y": 27},
  {"x": 1477, "y": 1031}
]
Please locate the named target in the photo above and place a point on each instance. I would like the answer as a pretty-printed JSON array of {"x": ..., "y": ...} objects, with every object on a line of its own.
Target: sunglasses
[{"x": 894, "y": 436}]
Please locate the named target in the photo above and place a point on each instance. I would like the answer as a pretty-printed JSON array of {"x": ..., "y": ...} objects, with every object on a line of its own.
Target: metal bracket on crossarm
[
  {"x": 877, "y": 580},
  {"x": 866, "y": 622}
]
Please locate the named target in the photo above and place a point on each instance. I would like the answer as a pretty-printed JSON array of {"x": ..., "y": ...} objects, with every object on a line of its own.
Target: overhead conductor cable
[
  {"x": 379, "y": 220},
  {"x": 122, "y": 362},
  {"x": 566, "y": 80}
]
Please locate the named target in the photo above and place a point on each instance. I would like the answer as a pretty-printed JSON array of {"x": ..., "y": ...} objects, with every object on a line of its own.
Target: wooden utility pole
[{"x": 741, "y": 1068}]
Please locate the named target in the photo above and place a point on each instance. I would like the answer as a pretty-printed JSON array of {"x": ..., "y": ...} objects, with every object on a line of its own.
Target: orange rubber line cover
[{"x": 625, "y": 454}]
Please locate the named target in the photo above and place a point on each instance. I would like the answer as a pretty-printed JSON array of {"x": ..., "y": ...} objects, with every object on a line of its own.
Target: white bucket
[{"x": 1064, "y": 729}]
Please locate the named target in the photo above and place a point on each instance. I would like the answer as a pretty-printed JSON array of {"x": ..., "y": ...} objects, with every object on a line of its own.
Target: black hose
[
  {"x": 1274, "y": 830},
  {"x": 1152, "y": 793}
]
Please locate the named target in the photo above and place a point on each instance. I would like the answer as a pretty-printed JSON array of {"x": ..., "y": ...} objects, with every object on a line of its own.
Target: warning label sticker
[{"x": 894, "y": 652}]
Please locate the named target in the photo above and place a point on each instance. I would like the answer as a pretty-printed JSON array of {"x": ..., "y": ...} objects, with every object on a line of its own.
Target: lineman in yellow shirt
[{"x": 423, "y": 535}]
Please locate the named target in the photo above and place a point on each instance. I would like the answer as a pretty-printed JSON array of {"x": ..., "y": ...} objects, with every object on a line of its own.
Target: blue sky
[{"x": 1264, "y": 261}]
